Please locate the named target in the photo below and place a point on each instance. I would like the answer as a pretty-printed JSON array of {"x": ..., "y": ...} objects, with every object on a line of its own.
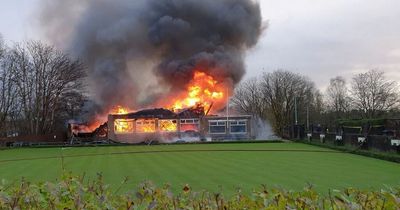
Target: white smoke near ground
[{"x": 263, "y": 130}]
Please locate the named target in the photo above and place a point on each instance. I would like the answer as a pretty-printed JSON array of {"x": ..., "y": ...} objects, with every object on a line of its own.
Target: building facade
[{"x": 166, "y": 126}]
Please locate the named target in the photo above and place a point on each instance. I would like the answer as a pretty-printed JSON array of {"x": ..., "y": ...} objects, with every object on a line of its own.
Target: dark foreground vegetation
[{"x": 75, "y": 192}]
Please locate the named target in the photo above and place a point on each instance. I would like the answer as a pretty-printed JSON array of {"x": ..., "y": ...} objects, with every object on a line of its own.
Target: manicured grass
[{"x": 212, "y": 167}]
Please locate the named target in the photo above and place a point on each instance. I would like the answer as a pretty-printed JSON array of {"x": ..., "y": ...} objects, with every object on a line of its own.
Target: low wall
[{"x": 50, "y": 138}]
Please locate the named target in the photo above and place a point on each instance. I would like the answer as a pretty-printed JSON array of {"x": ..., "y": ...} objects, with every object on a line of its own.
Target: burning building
[
  {"x": 188, "y": 117},
  {"x": 164, "y": 125},
  {"x": 157, "y": 53}
]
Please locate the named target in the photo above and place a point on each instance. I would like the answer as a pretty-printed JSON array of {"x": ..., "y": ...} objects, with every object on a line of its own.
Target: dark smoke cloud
[{"x": 124, "y": 41}]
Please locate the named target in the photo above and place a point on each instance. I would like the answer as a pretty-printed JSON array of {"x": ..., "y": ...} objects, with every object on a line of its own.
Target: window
[
  {"x": 123, "y": 126},
  {"x": 217, "y": 127},
  {"x": 189, "y": 125},
  {"x": 167, "y": 125},
  {"x": 145, "y": 126},
  {"x": 238, "y": 126}
]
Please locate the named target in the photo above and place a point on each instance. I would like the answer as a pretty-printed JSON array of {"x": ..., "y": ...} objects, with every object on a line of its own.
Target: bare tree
[
  {"x": 7, "y": 90},
  {"x": 2, "y": 46},
  {"x": 44, "y": 78},
  {"x": 316, "y": 107},
  {"x": 280, "y": 90},
  {"x": 248, "y": 98},
  {"x": 338, "y": 96},
  {"x": 373, "y": 94}
]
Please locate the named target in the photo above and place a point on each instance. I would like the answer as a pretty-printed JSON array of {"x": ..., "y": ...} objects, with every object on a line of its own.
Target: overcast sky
[{"x": 320, "y": 39}]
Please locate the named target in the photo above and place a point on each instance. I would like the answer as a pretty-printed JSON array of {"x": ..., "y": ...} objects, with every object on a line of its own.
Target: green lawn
[{"x": 207, "y": 166}]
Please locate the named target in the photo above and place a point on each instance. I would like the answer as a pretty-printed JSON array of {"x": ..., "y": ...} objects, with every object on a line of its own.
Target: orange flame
[
  {"x": 203, "y": 89},
  {"x": 168, "y": 125},
  {"x": 120, "y": 110},
  {"x": 123, "y": 126},
  {"x": 145, "y": 126}
]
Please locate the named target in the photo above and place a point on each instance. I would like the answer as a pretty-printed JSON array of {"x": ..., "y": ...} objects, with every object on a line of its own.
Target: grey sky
[{"x": 320, "y": 39}]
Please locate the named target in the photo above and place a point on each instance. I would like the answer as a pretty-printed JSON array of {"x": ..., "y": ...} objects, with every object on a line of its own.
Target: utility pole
[
  {"x": 296, "y": 128},
  {"x": 227, "y": 110},
  {"x": 295, "y": 110},
  {"x": 308, "y": 117}
]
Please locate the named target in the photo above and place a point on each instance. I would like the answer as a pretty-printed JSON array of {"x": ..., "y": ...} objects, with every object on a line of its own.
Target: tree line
[
  {"x": 284, "y": 98},
  {"x": 40, "y": 88}
]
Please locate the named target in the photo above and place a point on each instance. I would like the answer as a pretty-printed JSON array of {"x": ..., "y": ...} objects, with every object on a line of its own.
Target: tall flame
[
  {"x": 203, "y": 89},
  {"x": 120, "y": 110}
]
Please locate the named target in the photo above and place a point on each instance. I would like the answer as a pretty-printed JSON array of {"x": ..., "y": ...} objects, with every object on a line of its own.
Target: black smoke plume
[{"x": 138, "y": 49}]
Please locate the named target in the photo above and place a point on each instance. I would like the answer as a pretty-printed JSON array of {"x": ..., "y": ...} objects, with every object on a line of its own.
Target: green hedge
[
  {"x": 361, "y": 122},
  {"x": 74, "y": 192}
]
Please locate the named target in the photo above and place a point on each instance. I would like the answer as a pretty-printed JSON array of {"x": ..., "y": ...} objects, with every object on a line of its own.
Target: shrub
[{"x": 73, "y": 192}]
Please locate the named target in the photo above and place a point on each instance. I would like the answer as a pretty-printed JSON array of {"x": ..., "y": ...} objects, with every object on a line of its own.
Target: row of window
[
  {"x": 235, "y": 126},
  {"x": 148, "y": 126},
  {"x": 190, "y": 121}
]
